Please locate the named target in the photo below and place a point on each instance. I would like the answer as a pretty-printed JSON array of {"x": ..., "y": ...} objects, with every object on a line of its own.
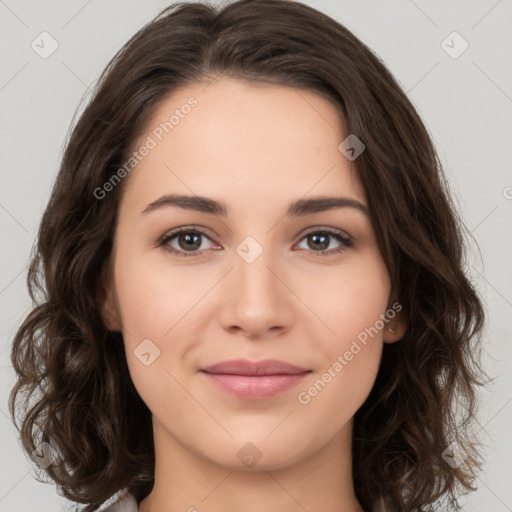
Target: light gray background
[{"x": 466, "y": 104}]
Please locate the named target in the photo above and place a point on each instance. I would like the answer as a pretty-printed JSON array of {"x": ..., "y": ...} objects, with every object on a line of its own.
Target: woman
[{"x": 252, "y": 285}]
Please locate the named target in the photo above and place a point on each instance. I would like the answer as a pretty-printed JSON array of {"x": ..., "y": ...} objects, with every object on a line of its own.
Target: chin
[{"x": 257, "y": 452}]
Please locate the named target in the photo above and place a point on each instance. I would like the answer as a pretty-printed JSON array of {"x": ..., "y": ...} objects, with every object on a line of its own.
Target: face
[{"x": 194, "y": 286}]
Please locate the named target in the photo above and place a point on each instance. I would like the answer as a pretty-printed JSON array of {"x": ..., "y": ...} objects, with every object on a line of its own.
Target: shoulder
[{"x": 122, "y": 501}]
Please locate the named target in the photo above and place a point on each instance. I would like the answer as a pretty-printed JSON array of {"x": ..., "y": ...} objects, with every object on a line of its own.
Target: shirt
[{"x": 122, "y": 501}]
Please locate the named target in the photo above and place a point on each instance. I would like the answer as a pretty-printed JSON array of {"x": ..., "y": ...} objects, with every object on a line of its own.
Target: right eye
[{"x": 188, "y": 241}]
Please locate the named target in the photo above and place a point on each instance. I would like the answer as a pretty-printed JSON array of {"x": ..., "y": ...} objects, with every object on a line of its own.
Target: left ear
[
  {"x": 107, "y": 303},
  {"x": 395, "y": 327}
]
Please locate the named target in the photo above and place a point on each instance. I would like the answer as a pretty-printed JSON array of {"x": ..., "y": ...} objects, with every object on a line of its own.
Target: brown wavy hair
[{"x": 73, "y": 387}]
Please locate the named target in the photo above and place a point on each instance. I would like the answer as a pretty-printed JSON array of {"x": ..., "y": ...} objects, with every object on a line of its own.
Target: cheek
[
  {"x": 353, "y": 300},
  {"x": 152, "y": 316},
  {"x": 154, "y": 296},
  {"x": 351, "y": 354},
  {"x": 352, "y": 307},
  {"x": 159, "y": 313}
]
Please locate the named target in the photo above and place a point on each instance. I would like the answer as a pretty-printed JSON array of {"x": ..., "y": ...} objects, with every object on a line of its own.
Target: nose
[{"x": 257, "y": 300}]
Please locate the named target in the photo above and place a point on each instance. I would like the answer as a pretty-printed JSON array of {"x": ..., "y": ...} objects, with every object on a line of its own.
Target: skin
[{"x": 256, "y": 148}]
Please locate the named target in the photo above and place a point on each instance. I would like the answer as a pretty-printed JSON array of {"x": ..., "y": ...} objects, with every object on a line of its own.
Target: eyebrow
[{"x": 295, "y": 209}]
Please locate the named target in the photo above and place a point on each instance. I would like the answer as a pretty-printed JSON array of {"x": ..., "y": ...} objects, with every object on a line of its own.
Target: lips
[
  {"x": 254, "y": 380},
  {"x": 245, "y": 367}
]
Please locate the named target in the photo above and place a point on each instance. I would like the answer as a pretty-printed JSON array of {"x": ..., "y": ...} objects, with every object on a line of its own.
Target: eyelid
[
  {"x": 327, "y": 229},
  {"x": 176, "y": 231}
]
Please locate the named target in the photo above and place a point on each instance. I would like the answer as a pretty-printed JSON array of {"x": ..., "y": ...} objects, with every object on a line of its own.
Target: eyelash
[{"x": 346, "y": 242}]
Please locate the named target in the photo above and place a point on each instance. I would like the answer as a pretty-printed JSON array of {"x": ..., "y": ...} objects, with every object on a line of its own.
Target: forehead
[{"x": 235, "y": 139}]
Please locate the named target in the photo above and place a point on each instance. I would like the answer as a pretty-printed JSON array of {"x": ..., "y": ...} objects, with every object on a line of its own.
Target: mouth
[{"x": 250, "y": 380}]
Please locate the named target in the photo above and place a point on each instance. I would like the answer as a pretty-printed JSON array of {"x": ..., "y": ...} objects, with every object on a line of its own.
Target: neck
[{"x": 185, "y": 481}]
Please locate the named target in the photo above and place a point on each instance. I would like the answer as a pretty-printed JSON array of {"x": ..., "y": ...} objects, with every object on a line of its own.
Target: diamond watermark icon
[
  {"x": 454, "y": 455},
  {"x": 249, "y": 249},
  {"x": 45, "y": 455},
  {"x": 352, "y": 147},
  {"x": 146, "y": 352},
  {"x": 44, "y": 45},
  {"x": 454, "y": 45},
  {"x": 249, "y": 455}
]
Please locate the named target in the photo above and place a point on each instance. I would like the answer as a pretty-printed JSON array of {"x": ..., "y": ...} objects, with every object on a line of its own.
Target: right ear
[{"x": 108, "y": 303}]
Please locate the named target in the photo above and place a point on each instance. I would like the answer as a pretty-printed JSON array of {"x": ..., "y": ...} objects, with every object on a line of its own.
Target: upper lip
[{"x": 246, "y": 367}]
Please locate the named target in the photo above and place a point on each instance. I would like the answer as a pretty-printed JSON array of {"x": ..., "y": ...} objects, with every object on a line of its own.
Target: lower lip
[{"x": 255, "y": 387}]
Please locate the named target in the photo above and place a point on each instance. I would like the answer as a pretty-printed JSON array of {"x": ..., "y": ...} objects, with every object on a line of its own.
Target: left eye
[
  {"x": 190, "y": 243},
  {"x": 188, "y": 238},
  {"x": 321, "y": 240}
]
